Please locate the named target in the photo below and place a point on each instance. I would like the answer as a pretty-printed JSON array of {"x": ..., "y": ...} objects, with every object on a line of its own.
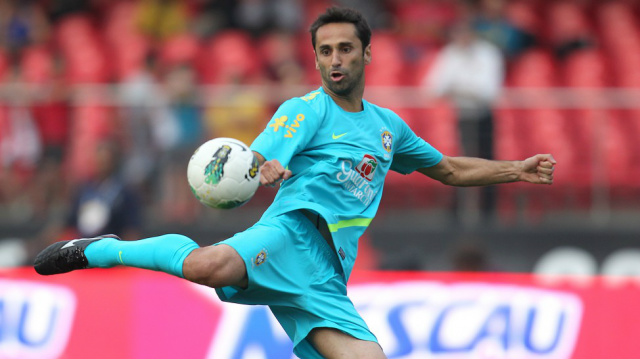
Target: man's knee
[
  {"x": 334, "y": 344},
  {"x": 215, "y": 266}
]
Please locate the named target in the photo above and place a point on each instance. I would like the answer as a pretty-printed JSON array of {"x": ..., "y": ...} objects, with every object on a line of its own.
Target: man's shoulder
[
  {"x": 314, "y": 102},
  {"x": 382, "y": 111},
  {"x": 315, "y": 96},
  {"x": 312, "y": 99}
]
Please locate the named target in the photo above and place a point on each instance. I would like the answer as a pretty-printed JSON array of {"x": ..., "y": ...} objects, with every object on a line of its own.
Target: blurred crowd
[{"x": 73, "y": 154}]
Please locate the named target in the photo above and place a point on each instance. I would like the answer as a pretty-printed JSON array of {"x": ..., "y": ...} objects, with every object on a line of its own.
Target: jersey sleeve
[
  {"x": 413, "y": 152},
  {"x": 288, "y": 132}
]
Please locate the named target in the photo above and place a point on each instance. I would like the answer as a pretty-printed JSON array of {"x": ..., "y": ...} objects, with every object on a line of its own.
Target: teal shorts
[{"x": 293, "y": 270}]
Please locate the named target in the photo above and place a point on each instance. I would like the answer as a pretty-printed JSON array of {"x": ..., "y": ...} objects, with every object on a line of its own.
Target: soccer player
[{"x": 330, "y": 150}]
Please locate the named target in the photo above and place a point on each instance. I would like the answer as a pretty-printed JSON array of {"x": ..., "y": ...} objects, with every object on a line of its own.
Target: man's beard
[{"x": 346, "y": 86}]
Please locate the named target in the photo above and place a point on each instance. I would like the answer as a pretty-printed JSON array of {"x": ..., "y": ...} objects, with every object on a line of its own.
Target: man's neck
[{"x": 349, "y": 103}]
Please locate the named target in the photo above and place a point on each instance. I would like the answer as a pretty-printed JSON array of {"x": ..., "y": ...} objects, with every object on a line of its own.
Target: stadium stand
[{"x": 593, "y": 46}]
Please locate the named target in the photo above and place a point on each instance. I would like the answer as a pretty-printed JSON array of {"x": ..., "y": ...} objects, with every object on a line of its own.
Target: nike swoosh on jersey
[{"x": 335, "y": 137}]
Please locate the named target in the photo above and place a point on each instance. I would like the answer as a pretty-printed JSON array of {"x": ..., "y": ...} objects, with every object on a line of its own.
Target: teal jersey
[{"x": 339, "y": 161}]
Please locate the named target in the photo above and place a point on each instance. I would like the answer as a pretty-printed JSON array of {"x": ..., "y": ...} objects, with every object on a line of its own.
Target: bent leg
[
  {"x": 334, "y": 344},
  {"x": 214, "y": 266}
]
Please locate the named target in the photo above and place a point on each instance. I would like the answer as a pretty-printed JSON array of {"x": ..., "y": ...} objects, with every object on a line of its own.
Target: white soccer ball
[{"x": 223, "y": 173}]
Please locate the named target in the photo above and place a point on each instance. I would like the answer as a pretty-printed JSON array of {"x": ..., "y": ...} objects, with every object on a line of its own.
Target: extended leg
[{"x": 174, "y": 254}]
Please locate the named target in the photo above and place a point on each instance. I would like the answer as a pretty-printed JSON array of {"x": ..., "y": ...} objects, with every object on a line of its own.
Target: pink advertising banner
[{"x": 136, "y": 314}]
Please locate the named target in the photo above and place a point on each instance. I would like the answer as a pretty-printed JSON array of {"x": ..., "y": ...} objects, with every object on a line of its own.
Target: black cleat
[{"x": 65, "y": 256}]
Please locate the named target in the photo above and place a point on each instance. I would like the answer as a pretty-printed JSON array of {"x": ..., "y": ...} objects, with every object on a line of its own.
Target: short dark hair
[{"x": 337, "y": 14}]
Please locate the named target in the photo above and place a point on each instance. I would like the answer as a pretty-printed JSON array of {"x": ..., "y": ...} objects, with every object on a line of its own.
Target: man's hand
[
  {"x": 538, "y": 169},
  {"x": 272, "y": 173}
]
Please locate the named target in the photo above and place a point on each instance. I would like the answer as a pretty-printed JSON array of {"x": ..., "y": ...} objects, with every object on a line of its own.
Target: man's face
[{"x": 340, "y": 58}]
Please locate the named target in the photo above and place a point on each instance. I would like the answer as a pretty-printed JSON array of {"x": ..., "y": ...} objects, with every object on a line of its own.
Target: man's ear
[
  {"x": 367, "y": 55},
  {"x": 315, "y": 59}
]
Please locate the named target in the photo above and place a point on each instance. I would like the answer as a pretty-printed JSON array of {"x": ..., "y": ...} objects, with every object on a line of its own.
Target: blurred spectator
[
  {"x": 160, "y": 19},
  {"x": 470, "y": 72},
  {"x": 105, "y": 204},
  {"x": 237, "y": 114},
  {"x": 101, "y": 204},
  {"x": 58, "y": 9},
  {"x": 230, "y": 58},
  {"x": 375, "y": 11},
  {"x": 144, "y": 109},
  {"x": 213, "y": 16},
  {"x": 20, "y": 148},
  {"x": 13, "y": 252},
  {"x": 52, "y": 115},
  {"x": 492, "y": 24},
  {"x": 258, "y": 16},
  {"x": 280, "y": 58},
  {"x": 180, "y": 87},
  {"x": 569, "y": 29},
  {"x": 51, "y": 112},
  {"x": 422, "y": 25},
  {"x": 470, "y": 256},
  {"x": 22, "y": 23},
  {"x": 183, "y": 132},
  {"x": 20, "y": 143}
]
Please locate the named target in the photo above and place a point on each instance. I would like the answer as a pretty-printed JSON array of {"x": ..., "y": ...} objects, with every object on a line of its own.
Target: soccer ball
[{"x": 223, "y": 173}]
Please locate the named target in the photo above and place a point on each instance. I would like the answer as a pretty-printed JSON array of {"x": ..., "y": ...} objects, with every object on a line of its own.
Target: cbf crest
[
  {"x": 387, "y": 140},
  {"x": 260, "y": 257}
]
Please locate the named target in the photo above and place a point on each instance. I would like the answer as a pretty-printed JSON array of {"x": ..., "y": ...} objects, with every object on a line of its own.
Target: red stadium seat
[
  {"x": 508, "y": 144},
  {"x": 74, "y": 30},
  {"x": 129, "y": 55},
  {"x": 4, "y": 63},
  {"x": 313, "y": 8},
  {"x": 416, "y": 76},
  {"x": 37, "y": 64},
  {"x": 83, "y": 50},
  {"x": 523, "y": 132},
  {"x": 181, "y": 48},
  {"x": 275, "y": 46},
  {"x": 88, "y": 65},
  {"x": 440, "y": 127},
  {"x": 620, "y": 37},
  {"x": 507, "y": 141},
  {"x": 89, "y": 123},
  {"x": 586, "y": 68},
  {"x": 617, "y": 24},
  {"x": 125, "y": 42},
  {"x": 567, "y": 20},
  {"x": 387, "y": 67},
  {"x": 550, "y": 134},
  {"x": 523, "y": 14},
  {"x": 120, "y": 21},
  {"x": 229, "y": 57},
  {"x": 534, "y": 68},
  {"x": 621, "y": 149}
]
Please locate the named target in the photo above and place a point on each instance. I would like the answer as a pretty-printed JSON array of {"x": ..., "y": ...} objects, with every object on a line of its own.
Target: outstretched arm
[{"x": 471, "y": 171}]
